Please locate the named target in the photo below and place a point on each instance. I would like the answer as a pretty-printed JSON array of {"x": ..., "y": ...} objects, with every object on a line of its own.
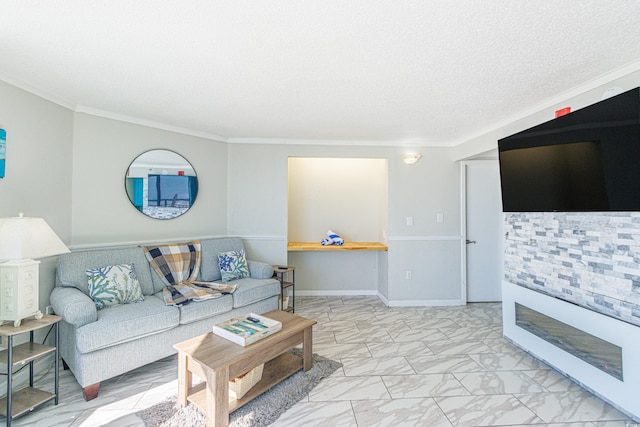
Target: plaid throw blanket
[
  {"x": 178, "y": 265},
  {"x": 184, "y": 293}
]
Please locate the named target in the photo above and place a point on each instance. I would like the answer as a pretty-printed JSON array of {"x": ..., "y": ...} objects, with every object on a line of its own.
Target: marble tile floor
[{"x": 415, "y": 366}]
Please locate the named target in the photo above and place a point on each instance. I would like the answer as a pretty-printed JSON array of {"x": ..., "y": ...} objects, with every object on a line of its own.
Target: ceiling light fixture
[{"x": 410, "y": 158}]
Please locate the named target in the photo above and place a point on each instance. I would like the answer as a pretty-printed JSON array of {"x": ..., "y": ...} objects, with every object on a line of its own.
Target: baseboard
[
  {"x": 336, "y": 293},
  {"x": 425, "y": 303},
  {"x": 387, "y": 302}
]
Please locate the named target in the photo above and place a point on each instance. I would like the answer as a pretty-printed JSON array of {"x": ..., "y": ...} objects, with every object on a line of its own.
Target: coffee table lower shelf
[{"x": 275, "y": 371}]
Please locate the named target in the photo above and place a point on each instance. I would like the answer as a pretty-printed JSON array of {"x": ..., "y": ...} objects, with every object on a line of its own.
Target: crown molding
[
  {"x": 20, "y": 84},
  {"x": 341, "y": 142},
  {"x": 147, "y": 123}
]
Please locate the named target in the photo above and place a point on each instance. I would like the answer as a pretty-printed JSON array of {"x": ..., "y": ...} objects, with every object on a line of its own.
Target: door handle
[{"x": 471, "y": 242}]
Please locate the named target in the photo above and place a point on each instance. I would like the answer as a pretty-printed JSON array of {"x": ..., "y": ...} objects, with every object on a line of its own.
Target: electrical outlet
[
  {"x": 48, "y": 310},
  {"x": 408, "y": 275}
]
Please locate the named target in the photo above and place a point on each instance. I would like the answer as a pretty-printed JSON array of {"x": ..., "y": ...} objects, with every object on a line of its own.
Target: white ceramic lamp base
[{"x": 19, "y": 291}]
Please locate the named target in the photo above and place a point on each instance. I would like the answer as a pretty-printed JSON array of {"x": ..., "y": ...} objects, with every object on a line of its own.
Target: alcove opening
[
  {"x": 350, "y": 197},
  {"x": 346, "y": 195}
]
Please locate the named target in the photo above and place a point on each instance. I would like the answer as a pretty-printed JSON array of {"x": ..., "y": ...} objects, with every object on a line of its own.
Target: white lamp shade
[{"x": 28, "y": 238}]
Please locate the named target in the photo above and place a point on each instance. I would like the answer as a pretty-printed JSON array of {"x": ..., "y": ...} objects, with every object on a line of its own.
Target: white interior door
[{"x": 484, "y": 230}]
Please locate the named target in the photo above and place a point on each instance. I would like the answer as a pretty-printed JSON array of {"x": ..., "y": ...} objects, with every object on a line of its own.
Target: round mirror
[{"x": 161, "y": 184}]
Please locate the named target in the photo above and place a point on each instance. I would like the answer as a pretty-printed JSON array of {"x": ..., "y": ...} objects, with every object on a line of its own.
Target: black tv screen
[{"x": 586, "y": 161}]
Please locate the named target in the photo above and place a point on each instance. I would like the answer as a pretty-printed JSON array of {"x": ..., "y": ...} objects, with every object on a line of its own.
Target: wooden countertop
[{"x": 348, "y": 246}]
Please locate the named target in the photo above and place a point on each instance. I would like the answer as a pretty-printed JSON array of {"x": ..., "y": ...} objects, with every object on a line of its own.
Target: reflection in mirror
[{"x": 161, "y": 184}]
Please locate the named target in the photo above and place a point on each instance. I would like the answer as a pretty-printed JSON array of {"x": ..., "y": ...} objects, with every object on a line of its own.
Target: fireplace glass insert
[{"x": 595, "y": 351}]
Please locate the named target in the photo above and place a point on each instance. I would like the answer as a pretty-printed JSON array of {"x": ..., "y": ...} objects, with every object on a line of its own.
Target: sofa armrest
[
  {"x": 260, "y": 270},
  {"x": 73, "y": 306}
]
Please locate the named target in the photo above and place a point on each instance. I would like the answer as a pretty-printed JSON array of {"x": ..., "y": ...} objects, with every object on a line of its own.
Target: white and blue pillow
[
  {"x": 233, "y": 265},
  {"x": 114, "y": 285}
]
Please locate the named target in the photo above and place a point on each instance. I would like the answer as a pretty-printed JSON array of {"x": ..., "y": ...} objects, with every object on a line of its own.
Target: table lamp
[{"x": 21, "y": 240}]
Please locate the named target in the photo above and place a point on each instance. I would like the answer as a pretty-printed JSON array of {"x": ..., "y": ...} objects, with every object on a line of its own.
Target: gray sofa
[{"x": 100, "y": 344}]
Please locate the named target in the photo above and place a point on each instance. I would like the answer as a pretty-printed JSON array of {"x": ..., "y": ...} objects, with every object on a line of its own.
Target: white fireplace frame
[{"x": 621, "y": 394}]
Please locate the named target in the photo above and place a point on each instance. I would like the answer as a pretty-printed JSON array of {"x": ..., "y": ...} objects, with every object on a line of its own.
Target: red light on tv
[
  {"x": 562, "y": 112},
  {"x": 180, "y": 173}
]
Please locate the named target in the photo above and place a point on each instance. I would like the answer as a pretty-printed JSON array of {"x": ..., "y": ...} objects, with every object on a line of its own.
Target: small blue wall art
[{"x": 3, "y": 151}]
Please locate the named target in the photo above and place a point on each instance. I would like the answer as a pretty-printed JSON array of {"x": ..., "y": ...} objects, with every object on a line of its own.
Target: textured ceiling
[{"x": 422, "y": 72}]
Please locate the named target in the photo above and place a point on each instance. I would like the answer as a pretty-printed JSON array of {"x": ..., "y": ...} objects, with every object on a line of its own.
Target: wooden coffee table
[{"x": 217, "y": 360}]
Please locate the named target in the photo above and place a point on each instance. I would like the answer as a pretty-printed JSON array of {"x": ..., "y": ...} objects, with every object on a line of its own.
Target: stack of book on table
[{"x": 247, "y": 329}]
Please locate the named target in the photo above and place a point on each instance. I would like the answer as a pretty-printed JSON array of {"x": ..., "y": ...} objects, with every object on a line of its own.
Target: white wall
[
  {"x": 39, "y": 167},
  {"x": 257, "y": 202},
  {"x": 38, "y": 177},
  {"x": 102, "y": 214},
  {"x": 429, "y": 249}
]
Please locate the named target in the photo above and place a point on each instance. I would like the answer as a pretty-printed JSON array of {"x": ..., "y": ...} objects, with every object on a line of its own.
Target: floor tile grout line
[{"x": 533, "y": 411}]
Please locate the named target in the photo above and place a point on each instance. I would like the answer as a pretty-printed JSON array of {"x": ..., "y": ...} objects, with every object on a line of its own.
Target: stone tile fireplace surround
[{"x": 580, "y": 270}]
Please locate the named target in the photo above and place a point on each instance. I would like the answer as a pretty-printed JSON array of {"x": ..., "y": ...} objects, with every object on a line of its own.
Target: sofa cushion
[
  {"x": 233, "y": 265},
  {"x": 72, "y": 267},
  {"x": 113, "y": 285},
  {"x": 252, "y": 290},
  {"x": 210, "y": 269},
  {"x": 198, "y": 310},
  {"x": 126, "y": 322}
]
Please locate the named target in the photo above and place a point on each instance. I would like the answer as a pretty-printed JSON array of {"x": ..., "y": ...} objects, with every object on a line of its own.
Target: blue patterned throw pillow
[
  {"x": 113, "y": 285},
  {"x": 233, "y": 265}
]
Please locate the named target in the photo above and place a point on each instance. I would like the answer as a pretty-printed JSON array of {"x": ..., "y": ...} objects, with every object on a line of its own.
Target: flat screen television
[{"x": 585, "y": 161}]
